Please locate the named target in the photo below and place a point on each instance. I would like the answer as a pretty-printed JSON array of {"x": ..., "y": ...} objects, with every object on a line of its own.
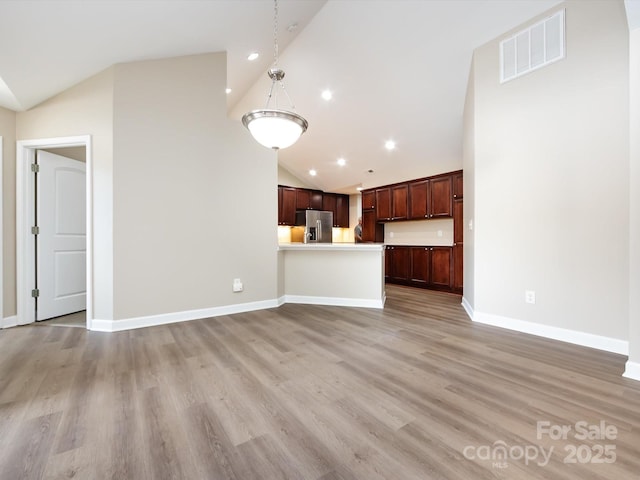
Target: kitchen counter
[
  {"x": 374, "y": 247},
  {"x": 344, "y": 274}
]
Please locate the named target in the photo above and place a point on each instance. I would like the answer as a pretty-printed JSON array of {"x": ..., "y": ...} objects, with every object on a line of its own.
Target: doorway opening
[{"x": 26, "y": 256}]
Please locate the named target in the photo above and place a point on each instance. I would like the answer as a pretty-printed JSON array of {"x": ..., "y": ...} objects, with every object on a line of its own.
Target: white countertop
[{"x": 369, "y": 247}]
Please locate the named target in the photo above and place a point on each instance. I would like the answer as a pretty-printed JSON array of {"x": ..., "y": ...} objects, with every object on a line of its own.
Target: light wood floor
[
  {"x": 415, "y": 391},
  {"x": 77, "y": 319}
]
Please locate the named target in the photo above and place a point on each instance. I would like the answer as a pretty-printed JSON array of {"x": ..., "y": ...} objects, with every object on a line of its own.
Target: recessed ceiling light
[
  {"x": 327, "y": 95},
  {"x": 253, "y": 56},
  {"x": 312, "y": 172},
  {"x": 227, "y": 91},
  {"x": 359, "y": 189},
  {"x": 342, "y": 162},
  {"x": 389, "y": 144}
]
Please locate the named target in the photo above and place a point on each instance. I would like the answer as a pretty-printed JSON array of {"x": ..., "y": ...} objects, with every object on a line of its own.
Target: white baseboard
[
  {"x": 467, "y": 307},
  {"x": 599, "y": 342},
  {"x": 632, "y": 370},
  {"x": 162, "y": 319},
  {"x": 99, "y": 325},
  {"x": 336, "y": 301},
  {"x": 8, "y": 322}
]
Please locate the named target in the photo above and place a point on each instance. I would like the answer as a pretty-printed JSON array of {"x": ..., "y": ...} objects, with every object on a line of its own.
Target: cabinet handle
[{"x": 455, "y": 196}]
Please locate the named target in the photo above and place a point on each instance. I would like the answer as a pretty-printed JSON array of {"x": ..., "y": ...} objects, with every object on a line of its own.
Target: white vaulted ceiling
[{"x": 397, "y": 69}]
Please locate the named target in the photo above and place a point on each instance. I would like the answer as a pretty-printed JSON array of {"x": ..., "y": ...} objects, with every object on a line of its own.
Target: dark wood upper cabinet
[
  {"x": 339, "y": 205},
  {"x": 329, "y": 204},
  {"x": 303, "y": 199},
  {"x": 341, "y": 218},
  {"x": 286, "y": 205},
  {"x": 315, "y": 200},
  {"x": 418, "y": 199},
  {"x": 430, "y": 198},
  {"x": 291, "y": 199},
  {"x": 372, "y": 231},
  {"x": 383, "y": 203},
  {"x": 440, "y": 200},
  {"x": 399, "y": 202},
  {"x": 308, "y": 199},
  {"x": 457, "y": 185},
  {"x": 368, "y": 200}
]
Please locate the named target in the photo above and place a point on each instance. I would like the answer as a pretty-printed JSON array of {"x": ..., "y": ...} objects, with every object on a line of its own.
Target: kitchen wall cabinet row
[
  {"x": 420, "y": 266},
  {"x": 419, "y": 199},
  {"x": 439, "y": 196},
  {"x": 291, "y": 199}
]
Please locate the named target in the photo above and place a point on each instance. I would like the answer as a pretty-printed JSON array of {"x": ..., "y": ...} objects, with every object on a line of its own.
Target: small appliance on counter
[{"x": 317, "y": 225}]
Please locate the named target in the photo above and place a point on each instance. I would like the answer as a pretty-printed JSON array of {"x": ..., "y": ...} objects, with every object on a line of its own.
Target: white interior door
[{"x": 61, "y": 243}]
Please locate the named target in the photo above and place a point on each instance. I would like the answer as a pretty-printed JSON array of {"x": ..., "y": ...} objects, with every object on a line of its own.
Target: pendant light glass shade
[{"x": 274, "y": 127}]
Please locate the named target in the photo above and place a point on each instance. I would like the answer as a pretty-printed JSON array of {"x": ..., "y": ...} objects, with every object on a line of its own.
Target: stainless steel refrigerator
[{"x": 317, "y": 225}]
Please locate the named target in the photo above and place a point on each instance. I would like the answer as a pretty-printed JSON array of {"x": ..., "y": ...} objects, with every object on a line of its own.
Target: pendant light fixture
[{"x": 274, "y": 127}]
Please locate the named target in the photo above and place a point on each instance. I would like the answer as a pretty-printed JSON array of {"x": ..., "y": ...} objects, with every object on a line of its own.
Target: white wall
[
  {"x": 86, "y": 109},
  {"x": 551, "y": 181},
  {"x": 195, "y": 197}
]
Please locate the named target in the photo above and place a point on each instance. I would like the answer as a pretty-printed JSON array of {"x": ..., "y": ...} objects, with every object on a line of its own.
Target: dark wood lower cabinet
[
  {"x": 397, "y": 266},
  {"x": 420, "y": 266},
  {"x": 458, "y": 273},
  {"x": 425, "y": 267},
  {"x": 441, "y": 267}
]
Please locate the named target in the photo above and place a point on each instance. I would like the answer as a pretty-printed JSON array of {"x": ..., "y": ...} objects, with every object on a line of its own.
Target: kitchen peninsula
[{"x": 343, "y": 274}]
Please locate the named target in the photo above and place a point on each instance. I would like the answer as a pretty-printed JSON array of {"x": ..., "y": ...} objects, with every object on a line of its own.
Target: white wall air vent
[{"x": 532, "y": 48}]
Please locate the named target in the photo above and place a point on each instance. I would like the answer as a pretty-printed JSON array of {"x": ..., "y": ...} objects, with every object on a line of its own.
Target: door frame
[{"x": 25, "y": 219}]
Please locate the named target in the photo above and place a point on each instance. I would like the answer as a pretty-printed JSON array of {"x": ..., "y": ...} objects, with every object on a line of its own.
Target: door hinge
[
  {"x": 35, "y": 168},
  {"x": 35, "y": 230},
  {"x": 35, "y": 293}
]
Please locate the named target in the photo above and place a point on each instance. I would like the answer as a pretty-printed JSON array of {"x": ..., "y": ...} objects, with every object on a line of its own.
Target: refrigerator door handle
[{"x": 319, "y": 229}]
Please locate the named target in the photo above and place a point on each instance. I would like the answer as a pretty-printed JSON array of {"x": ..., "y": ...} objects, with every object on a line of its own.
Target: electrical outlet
[
  {"x": 439, "y": 233},
  {"x": 530, "y": 296},
  {"x": 237, "y": 285}
]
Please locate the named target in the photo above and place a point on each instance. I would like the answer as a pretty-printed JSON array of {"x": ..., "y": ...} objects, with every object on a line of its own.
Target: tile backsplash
[{"x": 437, "y": 232}]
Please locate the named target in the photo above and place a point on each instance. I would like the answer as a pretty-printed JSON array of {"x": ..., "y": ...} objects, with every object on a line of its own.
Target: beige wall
[
  {"x": 195, "y": 197},
  {"x": 8, "y": 134},
  {"x": 86, "y": 109},
  {"x": 551, "y": 180}
]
